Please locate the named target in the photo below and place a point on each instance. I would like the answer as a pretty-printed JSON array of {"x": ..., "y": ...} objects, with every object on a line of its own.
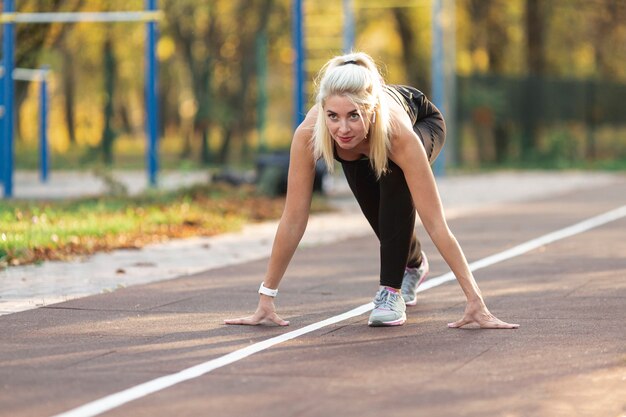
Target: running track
[{"x": 85, "y": 356}]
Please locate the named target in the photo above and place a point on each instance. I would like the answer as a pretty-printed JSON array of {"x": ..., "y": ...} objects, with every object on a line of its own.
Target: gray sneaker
[
  {"x": 389, "y": 308},
  {"x": 413, "y": 277}
]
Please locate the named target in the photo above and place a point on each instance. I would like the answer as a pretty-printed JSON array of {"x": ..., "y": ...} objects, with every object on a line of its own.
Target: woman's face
[{"x": 345, "y": 122}]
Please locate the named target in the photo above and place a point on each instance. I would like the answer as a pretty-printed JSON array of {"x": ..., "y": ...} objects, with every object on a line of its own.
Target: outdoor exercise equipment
[
  {"x": 41, "y": 76},
  {"x": 9, "y": 18}
]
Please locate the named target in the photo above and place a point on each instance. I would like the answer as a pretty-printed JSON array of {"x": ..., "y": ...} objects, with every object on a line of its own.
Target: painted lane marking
[
  {"x": 575, "y": 229},
  {"x": 112, "y": 401}
]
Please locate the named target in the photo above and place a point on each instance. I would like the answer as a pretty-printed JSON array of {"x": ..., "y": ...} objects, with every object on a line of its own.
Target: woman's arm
[
  {"x": 409, "y": 154},
  {"x": 297, "y": 205},
  {"x": 292, "y": 223}
]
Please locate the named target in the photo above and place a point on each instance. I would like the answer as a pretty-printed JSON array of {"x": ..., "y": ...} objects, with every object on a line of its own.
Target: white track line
[
  {"x": 575, "y": 229},
  {"x": 120, "y": 398}
]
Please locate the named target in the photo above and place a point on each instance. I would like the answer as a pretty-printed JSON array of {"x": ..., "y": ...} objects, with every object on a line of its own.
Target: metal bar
[
  {"x": 452, "y": 147},
  {"x": 2, "y": 117},
  {"x": 8, "y": 62},
  {"x": 73, "y": 17},
  {"x": 43, "y": 126},
  {"x": 27, "y": 74},
  {"x": 439, "y": 96},
  {"x": 348, "y": 26},
  {"x": 151, "y": 97},
  {"x": 298, "y": 63}
]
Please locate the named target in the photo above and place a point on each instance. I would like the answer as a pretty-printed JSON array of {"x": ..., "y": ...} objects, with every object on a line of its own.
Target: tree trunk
[
  {"x": 222, "y": 155},
  {"x": 202, "y": 82},
  {"x": 199, "y": 65},
  {"x": 68, "y": 80},
  {"x": 241, "y": 125},
  {"x": 110, "y": 69},
  {"x": 414, "y": 76},
  {"x": 535, "y": 58},
  {"x": 535, "y": 37},
  {"x": 497, "y": 43}
]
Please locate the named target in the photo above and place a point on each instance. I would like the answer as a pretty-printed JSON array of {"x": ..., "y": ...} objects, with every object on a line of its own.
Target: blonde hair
[{"x": 356, "y": 77}]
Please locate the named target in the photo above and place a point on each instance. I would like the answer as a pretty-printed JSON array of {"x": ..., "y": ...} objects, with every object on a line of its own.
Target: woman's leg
[
  {"x": 365, "y": 187},
  {"x": 399, "y": 246},
  {"x": 388, "y": 207}
]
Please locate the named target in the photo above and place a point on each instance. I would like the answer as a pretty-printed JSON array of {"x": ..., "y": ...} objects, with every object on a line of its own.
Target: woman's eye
[
  {"x": 354, "y": 116},
  {"x": 332, "y": 116}
]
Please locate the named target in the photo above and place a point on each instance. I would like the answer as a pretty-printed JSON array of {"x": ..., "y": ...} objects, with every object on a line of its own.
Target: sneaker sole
[{"x": 377, "y": 323}]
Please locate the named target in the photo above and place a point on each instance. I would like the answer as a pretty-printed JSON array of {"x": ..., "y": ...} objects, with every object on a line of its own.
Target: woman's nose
[{"x": 343, "y": 126}]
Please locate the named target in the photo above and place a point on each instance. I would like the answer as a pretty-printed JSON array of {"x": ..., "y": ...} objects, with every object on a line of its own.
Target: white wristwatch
[{"x": 267, "y": 291}]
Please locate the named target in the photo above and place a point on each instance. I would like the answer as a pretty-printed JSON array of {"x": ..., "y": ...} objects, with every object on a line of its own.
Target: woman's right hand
[
  {"x": 476, "y": 312},
  {"x": 264, "y": 314}
]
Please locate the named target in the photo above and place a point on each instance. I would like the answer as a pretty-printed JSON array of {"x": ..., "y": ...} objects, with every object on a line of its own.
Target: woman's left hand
[{"x": 477, "y": 312}]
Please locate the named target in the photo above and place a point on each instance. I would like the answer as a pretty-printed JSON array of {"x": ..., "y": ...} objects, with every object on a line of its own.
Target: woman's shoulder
[
  {"x": 307, "y": 125},
  {"x": 398, "y": 113}
]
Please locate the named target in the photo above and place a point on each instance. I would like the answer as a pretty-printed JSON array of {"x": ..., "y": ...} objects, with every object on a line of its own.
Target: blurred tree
[
  {"x": 489, "y": 43},
  {"x": 198, "y": 39},
  {"x": 606, "y": 25},
  {"x": 68, "y": 77},
  {"x": 241, "y": 102},
  {"x": 535, "y": 36},
  {"x": 216, "y": 42},
  {"x": 68, "y": 72},
  {"x": 415, "y": 65},
  {"x": 536, "y": 16},
  {"x": 110, "y": 70}
]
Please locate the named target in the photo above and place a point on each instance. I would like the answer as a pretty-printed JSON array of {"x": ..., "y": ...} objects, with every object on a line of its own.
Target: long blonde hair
[{"x": 356, "y": 77}]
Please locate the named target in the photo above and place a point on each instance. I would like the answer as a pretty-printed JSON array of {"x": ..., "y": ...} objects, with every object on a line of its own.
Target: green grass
[{"x": 31, "y": 232}]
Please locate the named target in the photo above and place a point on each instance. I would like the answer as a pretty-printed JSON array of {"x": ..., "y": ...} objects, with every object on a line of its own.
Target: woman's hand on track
[
  {"x": 264, "y": 314},
  {"x": 477, "y": 313}
]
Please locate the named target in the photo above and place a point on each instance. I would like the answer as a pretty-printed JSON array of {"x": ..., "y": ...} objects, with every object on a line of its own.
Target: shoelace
[{"x": 385, "y": 299}]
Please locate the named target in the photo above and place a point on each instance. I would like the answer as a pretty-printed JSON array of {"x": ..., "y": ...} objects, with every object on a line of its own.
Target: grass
[{"x": 35, "y": 231}]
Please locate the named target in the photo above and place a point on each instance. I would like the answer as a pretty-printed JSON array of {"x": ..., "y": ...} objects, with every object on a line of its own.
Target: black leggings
[{"x": 388, "y": 205}]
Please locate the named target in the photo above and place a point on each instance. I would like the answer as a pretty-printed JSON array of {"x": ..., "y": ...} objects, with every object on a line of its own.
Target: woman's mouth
[{"x": 344, "y": 139}]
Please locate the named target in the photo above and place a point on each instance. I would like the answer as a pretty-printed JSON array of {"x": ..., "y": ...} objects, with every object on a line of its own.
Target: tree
[
  {"x": 536, "y": 63},
  {"x": 110, "y": 70},
  {"x": 218, "y": 53},
  {"x": 195, "y": 29},
  {"x": 415, "y": 65},
  {"x": 242, "y": 120}
]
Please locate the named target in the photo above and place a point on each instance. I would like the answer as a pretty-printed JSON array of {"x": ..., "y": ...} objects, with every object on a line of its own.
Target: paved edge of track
[{"x": 139, "y": 391}]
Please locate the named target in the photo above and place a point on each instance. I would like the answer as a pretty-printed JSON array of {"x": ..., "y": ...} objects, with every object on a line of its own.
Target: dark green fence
[{"x": 537, "y": 120}]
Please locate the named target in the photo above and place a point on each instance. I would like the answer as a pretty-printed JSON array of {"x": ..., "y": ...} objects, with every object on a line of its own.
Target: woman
[{"x": 385, "y": 138}]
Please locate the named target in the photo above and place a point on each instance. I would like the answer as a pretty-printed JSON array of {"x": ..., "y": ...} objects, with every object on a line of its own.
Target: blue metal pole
[
  {"x": 2, "y": 117},
  {"x": 298, "y": 46},
  {"x": 450, "y": 74},
  {"x": 8, "y": 62},
  {"x": 348, "y": 26},
  {"x": 439, "y": 96},
  {"x": 44, "y": 157},
  {"x": 152, "y": 97}
]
